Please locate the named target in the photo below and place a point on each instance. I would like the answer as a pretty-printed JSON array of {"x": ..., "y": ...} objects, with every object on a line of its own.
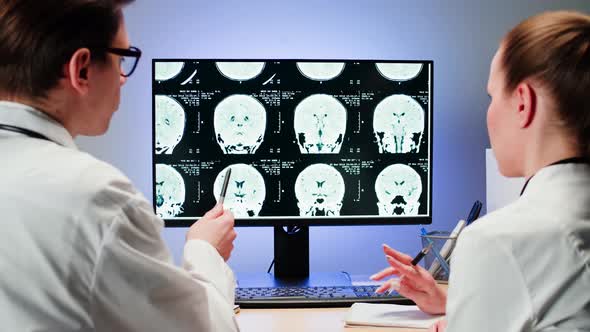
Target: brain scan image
[
  {"x": 399, "y": 71},
  {"x": 170, "y": 121},
  {"x": 246, "y": 190},
  {"x": 320, "y": 124},
  {"x": 319, "y": 190},
  {"x": 320, "y": 71},
  {"x": 398, "y": 188},
  {"x": 240, "y": 71},
  {"x": 167, "y": 70},
  {"x": 398, "y": 124},
  {"x": 239, "y": 122},
  {"x": 169, "y": 191}
]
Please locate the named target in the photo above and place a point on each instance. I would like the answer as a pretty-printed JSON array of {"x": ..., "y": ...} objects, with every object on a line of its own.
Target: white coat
[
  {"x": 526, "y": 267},
  {"x": 81, "y": 248}
]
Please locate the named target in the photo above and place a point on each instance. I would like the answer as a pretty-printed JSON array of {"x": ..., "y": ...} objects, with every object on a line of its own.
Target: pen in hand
[
  {"x": 421, "y": 254},
  {"x": 414, "y": 262},
  {"x": 224, "y": 187}
]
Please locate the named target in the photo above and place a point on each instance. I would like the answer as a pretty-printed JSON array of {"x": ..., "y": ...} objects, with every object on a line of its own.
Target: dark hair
[
  {"x": 554, "y": 49},
  {"x": 37, "y": 38}
]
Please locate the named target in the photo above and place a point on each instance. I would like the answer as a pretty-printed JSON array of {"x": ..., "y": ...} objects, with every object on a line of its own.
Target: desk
[{"x": 303, "y": 320}]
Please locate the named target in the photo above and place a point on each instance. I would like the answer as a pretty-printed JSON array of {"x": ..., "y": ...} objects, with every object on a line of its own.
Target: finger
[
  {"x": 403, "y": 269},
  {"x": 425, "y": 276},
  {"x": 411, "y": 293},
  {"x": 215, "y": 212},
  {"x": 227, "y": 218},
  {"x": 388, "y": 271},
  {"x": 229, "y": 251},
  {"x": 422, "y": 280},
  {"x": 230, "y": 216},
  {"x": 438, "y": 326},
  {"x": 396, "y": 254},
  {"x": 413, "y": 284},
  {"x": 387, "y": 286},
  {"x": 417, "y": 274}
]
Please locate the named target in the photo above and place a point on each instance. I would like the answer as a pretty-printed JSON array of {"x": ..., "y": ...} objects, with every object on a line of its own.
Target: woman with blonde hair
[{"x": 525, "y": 267}]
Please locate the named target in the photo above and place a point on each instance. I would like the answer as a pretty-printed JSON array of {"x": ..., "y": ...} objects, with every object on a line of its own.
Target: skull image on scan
[
  {"x": 246, "y": 190},
  {"x": 240, "y": 71},
  {"x": 320, "y": 71},
  {"x": 319, "y": 190},
  {"x": 398, "y": 188},
  {"x": 239, "y": 122},
  {"x": 167, "y": 70},
  {"x": 169, "y": 191},
  {"x": 320, "y": 124},
  {"x": 398, "y": 124},
  {"x": 170, "y": 121},
  {"x": 399, "y": 71}
]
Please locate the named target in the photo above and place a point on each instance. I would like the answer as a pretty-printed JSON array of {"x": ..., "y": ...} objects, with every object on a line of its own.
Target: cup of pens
[{"x": 437, "y": 260}]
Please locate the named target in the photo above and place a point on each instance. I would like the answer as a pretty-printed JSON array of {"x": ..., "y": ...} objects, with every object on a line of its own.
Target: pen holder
[{"x": 442, "y": 243}]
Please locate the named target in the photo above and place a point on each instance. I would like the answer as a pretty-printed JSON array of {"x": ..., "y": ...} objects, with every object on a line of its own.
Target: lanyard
[{"x": 23, "y": 131}]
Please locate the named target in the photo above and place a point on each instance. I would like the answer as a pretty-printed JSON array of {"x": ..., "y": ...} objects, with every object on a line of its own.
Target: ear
[
  {"x": 77, "y": 69},
  {"x": 526, "y": 98}
]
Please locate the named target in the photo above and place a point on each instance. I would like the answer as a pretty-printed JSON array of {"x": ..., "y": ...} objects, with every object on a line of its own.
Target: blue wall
[{"x": 460, "y": 36}]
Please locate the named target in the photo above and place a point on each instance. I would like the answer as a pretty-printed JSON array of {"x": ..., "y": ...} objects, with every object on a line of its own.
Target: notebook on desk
[{"x": 389, "y": 315}]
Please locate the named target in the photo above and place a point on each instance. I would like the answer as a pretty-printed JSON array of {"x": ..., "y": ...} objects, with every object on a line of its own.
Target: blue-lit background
[{"x": 460, "y": 36}]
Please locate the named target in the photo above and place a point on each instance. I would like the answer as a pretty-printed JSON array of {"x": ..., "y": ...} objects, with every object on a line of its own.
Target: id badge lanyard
[{"x": 24, "y": 131}]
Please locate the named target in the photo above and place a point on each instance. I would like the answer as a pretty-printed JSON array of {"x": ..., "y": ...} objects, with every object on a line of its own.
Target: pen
[
  {"x": 421, "y": 254},
  {"x": 224, "y": 187},
  {"x": 474, "y": 213}
]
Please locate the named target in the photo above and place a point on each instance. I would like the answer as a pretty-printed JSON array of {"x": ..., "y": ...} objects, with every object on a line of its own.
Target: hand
[
  {"x": 414, "y": 283},
  {"x": 439, "y": 326},
  {"x": 217, "y": 228}
]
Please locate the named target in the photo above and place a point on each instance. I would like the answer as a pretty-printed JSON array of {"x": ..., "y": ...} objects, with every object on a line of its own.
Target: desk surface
[{"x": 303, "y": 320}]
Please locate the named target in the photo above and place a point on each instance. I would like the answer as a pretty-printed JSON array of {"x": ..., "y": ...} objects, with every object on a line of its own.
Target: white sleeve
[
  {"x": 486, "y": 289},
  {"x": 136, "y": 286}
]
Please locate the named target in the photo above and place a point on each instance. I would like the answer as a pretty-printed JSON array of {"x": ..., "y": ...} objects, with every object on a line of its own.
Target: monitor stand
[{"x": 291, "y": 264}]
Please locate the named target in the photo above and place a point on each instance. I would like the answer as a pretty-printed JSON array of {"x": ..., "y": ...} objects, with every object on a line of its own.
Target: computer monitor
[{"x": 309, "y": 142}]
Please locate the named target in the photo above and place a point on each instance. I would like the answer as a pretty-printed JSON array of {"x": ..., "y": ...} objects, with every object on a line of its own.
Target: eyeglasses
[{"x": 129, "y": 58}]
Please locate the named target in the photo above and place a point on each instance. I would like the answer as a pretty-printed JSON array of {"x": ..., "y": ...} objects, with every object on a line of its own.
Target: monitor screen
[{"x": 308, "y": 142}]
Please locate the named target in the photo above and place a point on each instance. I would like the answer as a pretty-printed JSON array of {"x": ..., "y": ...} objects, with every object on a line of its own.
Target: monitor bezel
[{"x": 299, "y": 221}]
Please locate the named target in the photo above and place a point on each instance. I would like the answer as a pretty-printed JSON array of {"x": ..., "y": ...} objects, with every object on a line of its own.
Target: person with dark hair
[
  {"x": 525, "y": 267},
  {"x": 82, "y": 249}
]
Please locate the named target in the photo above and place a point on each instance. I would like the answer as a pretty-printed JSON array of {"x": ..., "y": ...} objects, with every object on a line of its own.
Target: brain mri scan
[
  {"x": 399, "y": 71},
  {"x": 240, "y": 71},
  {"x": 240, "y": 123},
  {"x": 170, "y": 121},
  {"x": 398, "y": 124},
  {"x": 319, "y": 190},
  {"x": 170, "y": 191},
  {"x": 320, "y": 71},
  {"x": 398, "y": 188},
  {"x": 320, "y": 124},
  {"x": 246, "y": 190},
  {"x": 167, "y": 70}
]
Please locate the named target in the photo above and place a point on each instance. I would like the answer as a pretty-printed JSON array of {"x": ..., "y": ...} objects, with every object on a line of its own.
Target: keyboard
[{"x": 300, "y": 297}]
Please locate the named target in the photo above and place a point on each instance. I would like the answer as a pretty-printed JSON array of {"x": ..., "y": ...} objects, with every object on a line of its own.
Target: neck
[
  {"x": 546, "y": 150},
  {"x": 49, "y": 106}
]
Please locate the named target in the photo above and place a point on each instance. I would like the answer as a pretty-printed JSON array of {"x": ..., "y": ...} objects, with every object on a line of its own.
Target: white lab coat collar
[
  {"x": 27, "y": 117},
  {"x": 538, "y": 183}
]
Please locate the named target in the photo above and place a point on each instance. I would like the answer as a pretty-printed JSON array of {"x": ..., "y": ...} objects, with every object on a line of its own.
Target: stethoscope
[{"x": 24, "y": 131}]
